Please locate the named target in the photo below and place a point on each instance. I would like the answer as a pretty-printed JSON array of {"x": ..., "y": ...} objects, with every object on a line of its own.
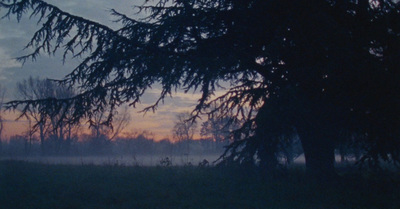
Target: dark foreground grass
[{"x": 30, "y": 185}]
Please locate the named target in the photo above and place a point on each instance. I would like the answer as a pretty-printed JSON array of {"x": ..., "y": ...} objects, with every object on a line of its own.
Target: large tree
[{"x": 316, "y": 67}]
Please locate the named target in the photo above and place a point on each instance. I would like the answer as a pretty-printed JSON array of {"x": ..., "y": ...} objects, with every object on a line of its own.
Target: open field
[
  {"x": 132, "y": 160},
  {"x": 33, "y": 185},
  {"x": 121, "y": 160}
]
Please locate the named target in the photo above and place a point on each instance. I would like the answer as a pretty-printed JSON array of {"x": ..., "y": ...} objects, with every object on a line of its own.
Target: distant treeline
[
  {"x": 143, "y": 143},
  {"x": 140, "y": 144}
]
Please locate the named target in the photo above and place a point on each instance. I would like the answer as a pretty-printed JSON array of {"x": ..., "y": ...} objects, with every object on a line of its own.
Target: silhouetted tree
[
  {"x": 120, "y": 122},
  {"x": 184, "y": 130},
  {"x": 32, "y": 89},
  {"x": 51, "y": 122},
  {"x": 219, "y": 128},
  {"x": 102, "y": 133},
  {"x": 2, "y": 95},
  {"x": 321, "y": 65}
]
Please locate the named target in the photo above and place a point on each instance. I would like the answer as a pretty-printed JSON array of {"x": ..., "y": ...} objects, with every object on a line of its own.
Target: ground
[{"x": 34, "y": 185}]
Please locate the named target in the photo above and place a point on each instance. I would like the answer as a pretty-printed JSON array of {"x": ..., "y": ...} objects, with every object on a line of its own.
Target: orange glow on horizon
[{"x": 159, "y": 124}]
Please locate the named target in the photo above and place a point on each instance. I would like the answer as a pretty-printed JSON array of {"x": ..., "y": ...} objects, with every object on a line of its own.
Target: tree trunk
[
  {"x": 41, "y": 133},
  {"x": 316, "y": 122},
  {"x": 318, "y": 149},
  {"x": 68, "y": 141},
  {"x": 267, "y": 136},
  {"x": 60, "y": 139},
  {"x": 269, "y": 161}
]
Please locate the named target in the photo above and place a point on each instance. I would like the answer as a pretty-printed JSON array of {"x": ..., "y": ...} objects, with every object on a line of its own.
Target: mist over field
[
  {"x": 138, "y": 151},
  {"x": 141, "y": 160}
]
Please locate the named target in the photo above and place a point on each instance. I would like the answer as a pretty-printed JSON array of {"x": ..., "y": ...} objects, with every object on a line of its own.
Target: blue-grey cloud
[{"x": 14, "y": 36}]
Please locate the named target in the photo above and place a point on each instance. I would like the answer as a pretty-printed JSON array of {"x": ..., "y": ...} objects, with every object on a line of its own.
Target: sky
[{"x": 14, "y": 36}]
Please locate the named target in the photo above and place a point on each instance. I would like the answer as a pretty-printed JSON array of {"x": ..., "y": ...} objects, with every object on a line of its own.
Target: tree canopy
[{"x": 319, "y": 68}]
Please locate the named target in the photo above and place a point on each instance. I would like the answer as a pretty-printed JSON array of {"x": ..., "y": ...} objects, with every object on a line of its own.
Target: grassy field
[{"x": 32, "y": 185}]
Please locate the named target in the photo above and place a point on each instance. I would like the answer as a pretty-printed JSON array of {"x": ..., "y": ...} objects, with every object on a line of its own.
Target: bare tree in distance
[
  {"x": 103, "y": 132},
  {"x": 184, "y": 130},
  {"x": 99, "y": 126},
  {"x": 120, "y": 122},
  {"x": 50, "y": 122},
  {"x": 61, "y": 129},
  {"x": 30, "y": 89},
  {"x": 220, "y": 128},
  {"x": 2, "y": 96}
]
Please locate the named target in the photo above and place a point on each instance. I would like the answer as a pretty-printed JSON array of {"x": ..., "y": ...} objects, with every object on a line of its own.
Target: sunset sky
[{"x": 13, "y": 38}]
